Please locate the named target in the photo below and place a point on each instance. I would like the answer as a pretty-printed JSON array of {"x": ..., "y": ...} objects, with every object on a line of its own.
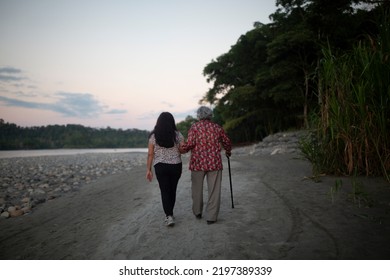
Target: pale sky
[{"x": 117, "y": 63}]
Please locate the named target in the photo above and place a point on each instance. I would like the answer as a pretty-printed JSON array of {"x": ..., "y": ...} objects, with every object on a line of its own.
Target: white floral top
[{"x": 167, "y": 155}]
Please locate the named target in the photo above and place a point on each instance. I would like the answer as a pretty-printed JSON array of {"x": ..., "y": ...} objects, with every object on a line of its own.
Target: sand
[{"x": 279, "y": 214}]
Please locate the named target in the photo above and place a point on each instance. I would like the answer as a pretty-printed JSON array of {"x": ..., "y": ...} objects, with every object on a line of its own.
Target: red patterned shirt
[{"x": 204, "y": 141}]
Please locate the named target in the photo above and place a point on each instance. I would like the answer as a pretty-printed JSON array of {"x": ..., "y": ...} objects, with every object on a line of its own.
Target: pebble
[
  {"x": 273, "y": 144},
  {"x": 26, "y": 182},
  {"x": 280, "y": 143}
]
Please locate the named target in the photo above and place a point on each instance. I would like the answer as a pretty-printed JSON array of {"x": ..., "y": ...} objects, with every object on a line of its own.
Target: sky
[{"x": 117, "y": 63}]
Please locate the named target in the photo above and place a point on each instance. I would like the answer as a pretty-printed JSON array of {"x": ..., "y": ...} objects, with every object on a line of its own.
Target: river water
[{"x": 58, "y": 152}]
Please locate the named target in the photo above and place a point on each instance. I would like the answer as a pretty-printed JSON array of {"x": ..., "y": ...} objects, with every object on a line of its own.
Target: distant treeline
[{"x": 13, "y": 137}]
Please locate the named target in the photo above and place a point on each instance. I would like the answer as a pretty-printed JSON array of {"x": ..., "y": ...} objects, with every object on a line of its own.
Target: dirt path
[{"x": 278, "y": 215}]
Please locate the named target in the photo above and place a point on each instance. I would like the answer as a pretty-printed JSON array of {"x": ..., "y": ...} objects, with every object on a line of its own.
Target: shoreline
[{"x": 62, "y": 152}]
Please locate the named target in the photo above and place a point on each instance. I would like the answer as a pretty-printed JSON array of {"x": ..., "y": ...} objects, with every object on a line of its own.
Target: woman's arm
[
  {"x": 182, "y": 143},
  {"x": 190, "y": 144},
  {"x": 226, "y": 143},
  {"x": 149, "y": 173}
]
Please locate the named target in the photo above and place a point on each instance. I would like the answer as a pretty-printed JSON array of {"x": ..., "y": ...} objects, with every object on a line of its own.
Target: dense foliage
[
  {"x": 352, "y": 127},
  {"x": 267, "y": 81},
  {"x": 13, "y": 137},
  {"x": 319, "y": 65}
]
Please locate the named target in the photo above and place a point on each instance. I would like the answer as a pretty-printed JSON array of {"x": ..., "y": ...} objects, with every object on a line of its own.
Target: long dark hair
[{"x": 165, "y": 130}]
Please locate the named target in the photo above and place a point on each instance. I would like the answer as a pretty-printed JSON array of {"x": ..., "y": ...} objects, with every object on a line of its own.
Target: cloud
[
  {"x": 116, "y": 111},
  {"x": 184, "y": 114},
  {"x": 178, "y": 115},
  {"x": 10, "y": 74},
  {"x": 7, "y": 78},
  {"x": 170, "y": 105},
  {"x": 68, "y": 104},
  {"x": 77, "y": 105},
  {"x": 19, "y": 103},
  {"x": 10, "y": 70},
  {"x": 151, "y": 115},
  {"x": 83, "y": 105}
]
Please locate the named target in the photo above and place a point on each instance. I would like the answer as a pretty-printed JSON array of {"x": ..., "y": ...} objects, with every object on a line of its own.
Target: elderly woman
[{"x": 204, "y": 141}]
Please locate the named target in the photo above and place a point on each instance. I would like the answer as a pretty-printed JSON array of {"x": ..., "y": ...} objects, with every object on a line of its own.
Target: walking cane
[{"x": 230, "y": 178}]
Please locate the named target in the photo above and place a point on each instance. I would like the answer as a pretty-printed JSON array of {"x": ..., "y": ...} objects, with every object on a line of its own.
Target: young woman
[{"x": 164, "y": 154}]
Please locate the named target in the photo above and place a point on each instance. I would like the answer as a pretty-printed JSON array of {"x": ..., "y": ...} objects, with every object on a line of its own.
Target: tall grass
[{"x": 353, "y": 127}]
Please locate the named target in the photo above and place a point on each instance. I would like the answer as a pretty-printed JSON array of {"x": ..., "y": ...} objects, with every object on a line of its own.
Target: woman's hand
[
  {"x": 149, "y": 175},
  {"x": 182, "y": 148}
]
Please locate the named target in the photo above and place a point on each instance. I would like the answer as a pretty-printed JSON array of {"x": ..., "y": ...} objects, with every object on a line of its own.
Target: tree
[
  {"x": 293, "y": 54},
  {"x": 69, "y": 136},
  {"x": 185, "y": 125},
  {"x": 234, "y": 92},
  {"x": 267, "y": 81}
]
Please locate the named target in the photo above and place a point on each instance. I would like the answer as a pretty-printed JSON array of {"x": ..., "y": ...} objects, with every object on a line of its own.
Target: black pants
[{"x": 168, "y": 176}]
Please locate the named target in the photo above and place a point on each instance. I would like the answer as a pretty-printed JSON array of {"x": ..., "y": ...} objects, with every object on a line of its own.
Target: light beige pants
[{"x": 214, "y": 179}]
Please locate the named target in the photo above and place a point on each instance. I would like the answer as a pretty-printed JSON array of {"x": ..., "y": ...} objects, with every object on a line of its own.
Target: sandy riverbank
[{"x": 278, "y": 214}]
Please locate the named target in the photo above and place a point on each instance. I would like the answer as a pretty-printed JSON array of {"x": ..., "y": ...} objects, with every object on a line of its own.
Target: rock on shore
[
  {"x": 28, "y": 181},
  {"x": 278, "y": 143}
]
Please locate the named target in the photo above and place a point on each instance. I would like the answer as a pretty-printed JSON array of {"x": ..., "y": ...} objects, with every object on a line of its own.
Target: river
[{"x": 57, "y": 152}]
